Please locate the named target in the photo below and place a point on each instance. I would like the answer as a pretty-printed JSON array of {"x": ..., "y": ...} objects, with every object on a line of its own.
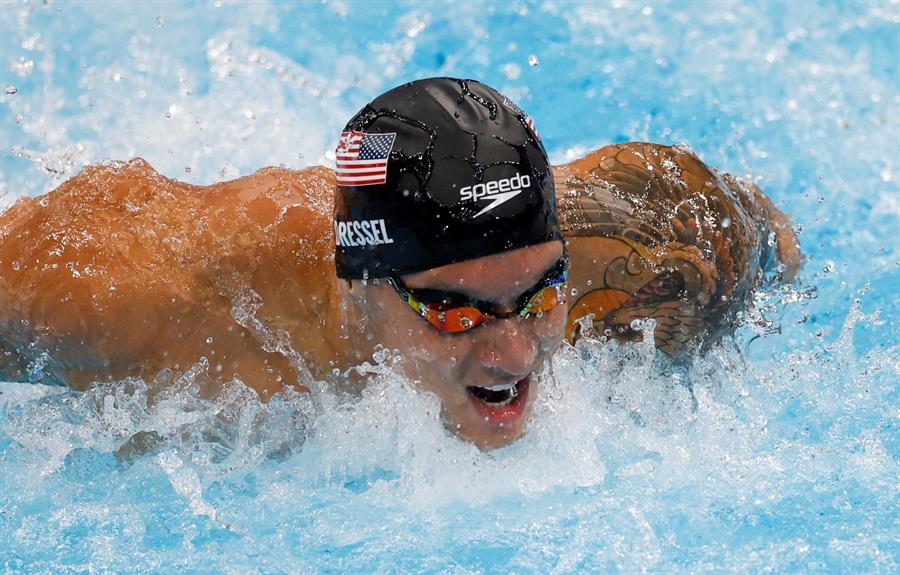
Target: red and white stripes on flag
[{"x": 362, "y": 158}]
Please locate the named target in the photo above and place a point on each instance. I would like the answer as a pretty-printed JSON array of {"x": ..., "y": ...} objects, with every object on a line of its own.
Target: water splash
[{"x": 779, "y": 454}]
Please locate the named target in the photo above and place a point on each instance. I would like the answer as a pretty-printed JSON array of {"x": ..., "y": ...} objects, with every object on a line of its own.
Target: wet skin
[{"x": 121, "y": 272}]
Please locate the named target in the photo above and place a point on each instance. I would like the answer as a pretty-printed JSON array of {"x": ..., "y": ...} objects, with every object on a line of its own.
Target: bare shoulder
[
  {"x": 120, "y": 261},
  {"x": 279, "y": 200},
  {"x": 77, "y": 257}
]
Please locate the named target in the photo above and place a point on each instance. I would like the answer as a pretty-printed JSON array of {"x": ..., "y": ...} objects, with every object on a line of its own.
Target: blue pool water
[{"x": 776, "y": 453}]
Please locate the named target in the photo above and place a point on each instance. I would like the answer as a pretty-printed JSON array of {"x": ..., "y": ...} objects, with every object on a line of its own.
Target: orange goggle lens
[
  {"x": 543, "y": 301},
  {"x": 464, "y": 318},
  {"x": 456, "y": 319}
]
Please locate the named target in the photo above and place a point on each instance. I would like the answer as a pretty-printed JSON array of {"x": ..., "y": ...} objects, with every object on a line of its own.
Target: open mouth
[{"x": 501, "y": 404}]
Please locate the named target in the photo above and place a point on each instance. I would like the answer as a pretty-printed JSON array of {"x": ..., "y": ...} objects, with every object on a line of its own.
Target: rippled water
[{"x": 777, "y": 452}]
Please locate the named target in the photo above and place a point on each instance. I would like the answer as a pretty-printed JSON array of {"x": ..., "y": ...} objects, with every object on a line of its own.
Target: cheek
[
  {"x": 439, "y": 352},
  {"x": 428, "y": 351}
]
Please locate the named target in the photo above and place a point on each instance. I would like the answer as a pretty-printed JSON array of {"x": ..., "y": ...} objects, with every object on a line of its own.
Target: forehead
[{"x": 493, "y": 278}]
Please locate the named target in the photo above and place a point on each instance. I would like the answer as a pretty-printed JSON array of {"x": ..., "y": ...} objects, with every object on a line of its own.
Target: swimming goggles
[{"x": 453, "y": 312}]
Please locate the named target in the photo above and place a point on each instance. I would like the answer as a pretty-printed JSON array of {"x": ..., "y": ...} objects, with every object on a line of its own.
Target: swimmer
[{"x": 443, "y": 233}]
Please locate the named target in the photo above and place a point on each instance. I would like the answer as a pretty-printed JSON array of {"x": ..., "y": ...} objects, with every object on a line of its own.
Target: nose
[{"x": 509, "y": 346}]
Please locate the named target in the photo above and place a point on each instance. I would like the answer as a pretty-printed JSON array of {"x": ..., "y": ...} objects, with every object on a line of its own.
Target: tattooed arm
[{"x": 655, "y": 233}]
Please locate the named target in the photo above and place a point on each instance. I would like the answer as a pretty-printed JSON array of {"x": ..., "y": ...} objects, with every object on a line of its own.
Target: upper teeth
[{"x": 502, "y": 387}]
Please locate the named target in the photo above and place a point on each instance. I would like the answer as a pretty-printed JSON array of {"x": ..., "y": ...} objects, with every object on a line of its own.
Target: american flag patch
[{"x": 362, "y": 158}]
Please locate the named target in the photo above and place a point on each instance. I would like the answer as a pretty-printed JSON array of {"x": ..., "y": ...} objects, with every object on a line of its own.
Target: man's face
[{"x": 486, "y": 378}]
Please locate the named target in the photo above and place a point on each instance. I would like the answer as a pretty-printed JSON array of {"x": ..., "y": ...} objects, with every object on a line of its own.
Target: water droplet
[
  {"x": 726, "y": 222},
  {"x": 16, "y": 266},
  {"x": 533, "y": 61},
  {"x": 10, "y": 89},
  {"x": 160, "y": 22},
  {"x": 574, "y": 292},
  {"x": 22, "y": 67},
  {"x": 117, "y": 77},
  {"x": 828, "y": 267},
  {"x": 187, "y": 169},
  {"x": 210, "y": 340}
]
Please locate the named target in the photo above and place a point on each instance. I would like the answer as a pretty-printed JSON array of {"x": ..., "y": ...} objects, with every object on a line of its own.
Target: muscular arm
[
  {"x": 655, "y": 233},
  {"x": 121, "y": 272}
]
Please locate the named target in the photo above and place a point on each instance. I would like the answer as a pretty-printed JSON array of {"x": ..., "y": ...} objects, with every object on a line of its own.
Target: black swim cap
[{"x": 435, "y": 172}]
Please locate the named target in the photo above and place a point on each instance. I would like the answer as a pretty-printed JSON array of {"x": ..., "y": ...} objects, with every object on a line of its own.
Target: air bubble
[
  {"x": 533, "y": 61},
  {"x": 10, "y": 89}
]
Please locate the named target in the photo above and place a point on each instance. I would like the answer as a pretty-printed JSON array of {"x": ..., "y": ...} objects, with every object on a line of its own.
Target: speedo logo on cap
[{"x": 497, "y": 191}]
